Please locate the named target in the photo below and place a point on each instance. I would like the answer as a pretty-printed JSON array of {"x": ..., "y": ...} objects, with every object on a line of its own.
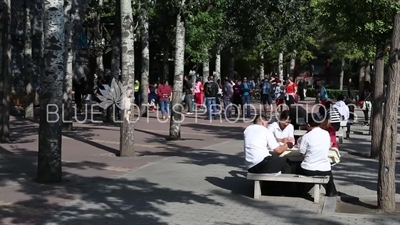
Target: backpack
[
  {"x": 266, "y": 88},
  {"x": 211, "y": 90}
]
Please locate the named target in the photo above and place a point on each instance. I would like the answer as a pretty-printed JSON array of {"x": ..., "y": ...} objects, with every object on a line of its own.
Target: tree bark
[
  {"x": 292, "y": 64},
  {"x": 166, "y": 63},
  {"x": 5, "y": 88},
  {"x": 218, "y": 64},
  {"x": 387, "y": 156},
  {"x": 280, "y": 66},
  {"x": 99, "y": 42},
  {"x": 361, "y": 76},
  {"x": 51, "y": 94},
  {"x": 116, "y": 49},
  {"x": 377, "y": 100},
  {"x": 30, "y": 94},
  {"x": 145, "y": 59},
  {"x": 176, "y": 112},
  {"x": 67, "y": 110},
  {"x": 342, "y": 74},
  {"x": 79, "y": 65},
  {"x": 231, "y": 68},
  {"x": 206, "y": 71},
  {"x": 127, "y": 137},
  {"x": 262, "y": 67}
]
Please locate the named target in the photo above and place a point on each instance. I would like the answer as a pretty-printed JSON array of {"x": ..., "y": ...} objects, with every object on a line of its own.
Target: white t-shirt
[
  {"x": 315, "y": 146},
  {"x": 288, "y": 132},
  {"x": 258, "y": 140}
]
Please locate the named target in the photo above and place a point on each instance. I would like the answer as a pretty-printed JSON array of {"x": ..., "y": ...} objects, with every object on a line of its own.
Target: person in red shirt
[
  {"x": 164, "y": 93},
  {"x": 326, "y": 125},
  {"x": 291, "y": 91}
]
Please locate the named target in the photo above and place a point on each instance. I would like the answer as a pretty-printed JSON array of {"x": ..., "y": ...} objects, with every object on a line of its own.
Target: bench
[{"x": 258, "y": 177}]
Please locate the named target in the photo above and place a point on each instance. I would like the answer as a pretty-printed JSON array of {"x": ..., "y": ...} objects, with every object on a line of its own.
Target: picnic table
[{"x": 295, "y": 155}]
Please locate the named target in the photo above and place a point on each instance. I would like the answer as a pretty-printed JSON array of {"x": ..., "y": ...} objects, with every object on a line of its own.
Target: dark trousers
[
  {"x": 336, "y": 126},
  {"x": 330, "y": 186},
  {"x": 272, "y": 164}
]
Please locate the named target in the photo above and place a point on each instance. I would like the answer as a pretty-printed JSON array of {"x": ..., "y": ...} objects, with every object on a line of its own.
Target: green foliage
[{"x": 332, "y": 93}]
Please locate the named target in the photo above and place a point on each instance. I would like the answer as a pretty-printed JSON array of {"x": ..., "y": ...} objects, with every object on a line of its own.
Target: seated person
[
  {"x": 326, "y": 125},
  {"x": 315, "y": 147},
  {"x": 333, "y": 114},
  {"x": 297, "y": 113},
  {"x": 351, "y": 104},
  {"x": 258, "y": 140},
  {"x": 283, "y": 128}
]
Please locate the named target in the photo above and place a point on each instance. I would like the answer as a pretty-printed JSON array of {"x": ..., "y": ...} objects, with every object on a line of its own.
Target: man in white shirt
[
  {"x": 344, "y": 112},
  {"x": 258, "y": 141},
  {"x": 283, "y": 129},
  {"x": 315, "y": 145}
]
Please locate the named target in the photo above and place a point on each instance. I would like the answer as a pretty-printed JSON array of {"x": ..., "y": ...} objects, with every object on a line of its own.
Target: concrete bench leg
[
  {"x": 317, "y": 192},
  {"x": 341, "y": 140},
  {"x": 257, "y": 189}
]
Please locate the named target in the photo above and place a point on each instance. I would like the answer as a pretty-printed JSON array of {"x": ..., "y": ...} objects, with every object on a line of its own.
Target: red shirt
[
  {"x": 164, "y": 91},
  {"x": 290, "y": 89},
  {"x": 332, "y": 134}
]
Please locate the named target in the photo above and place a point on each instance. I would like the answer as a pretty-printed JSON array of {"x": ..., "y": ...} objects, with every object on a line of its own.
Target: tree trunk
[
  {"x": 145, "y": 60},
  {"x": 37, "y": 44},
  {"x": 206, "y": 71},
  {"x": 51, "y": 94},
  {"x": 30, "y": 94},
  {"x": 377, "y": 99},
  {"x": 166, "y": 63},
  {"x": 231, "y": 68},
  {"x": 5, "y": 89},
  {"x": 176, "y": 112},
  {"x": 67, "y": 110},
  {"x": 127, "y": 137},
  {"x": 262, "y": 68},
  {"x": 387, "y": 156},
  {"x": 292, "y": 64},
  {"x": 280, "y": 65},
  {"x": 99, "y": 42},
  {"x": 361, "y": 77},
  {"x": 368, "y": 72},
  {"x": 218, "y": 65},
  {"x": 116, "y": 48},
  {"x": 342, "y": 74},
  {"x": 79, "y": 66}
]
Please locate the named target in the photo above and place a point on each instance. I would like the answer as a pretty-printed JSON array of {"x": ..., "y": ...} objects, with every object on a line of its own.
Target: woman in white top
[
  {"x": 315, "y": 145},
  {"x": 283, "y": 129}
]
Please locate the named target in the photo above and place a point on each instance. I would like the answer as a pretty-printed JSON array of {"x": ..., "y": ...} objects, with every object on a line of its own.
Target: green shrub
[{"x": 332, "y": 93}]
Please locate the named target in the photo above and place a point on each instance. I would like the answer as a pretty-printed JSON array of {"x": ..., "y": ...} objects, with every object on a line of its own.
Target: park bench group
[{"x": 295, "y": 156}]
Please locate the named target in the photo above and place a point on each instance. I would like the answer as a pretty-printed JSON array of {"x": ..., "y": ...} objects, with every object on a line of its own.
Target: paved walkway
[
  {"x": 199, "y": 180},
  {"x": 207, "y": 186}
]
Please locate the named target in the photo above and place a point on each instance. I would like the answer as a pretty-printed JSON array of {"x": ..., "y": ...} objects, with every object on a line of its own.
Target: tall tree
[
  {"x": 67, "y": 110},
  {"x": 99, "y": 39},
  {"x": 116, "y": 43},
  {"x": 176, "y": 112},
  {"x": 387, "y": 156},
  {"x": 5, "y": 88},
  {"x": 127, "y": 137},
  {"x": 51, "y": 93},
  {"x": 28, "y": 75},
  {"x": 144, "y": 83}
]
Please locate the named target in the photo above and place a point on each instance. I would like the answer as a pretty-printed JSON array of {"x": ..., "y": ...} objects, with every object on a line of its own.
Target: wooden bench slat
[{"x": 288, "y": 178}]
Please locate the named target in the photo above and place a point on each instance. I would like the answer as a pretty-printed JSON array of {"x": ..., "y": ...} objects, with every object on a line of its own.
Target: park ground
[{"x": 197, "y": 180}]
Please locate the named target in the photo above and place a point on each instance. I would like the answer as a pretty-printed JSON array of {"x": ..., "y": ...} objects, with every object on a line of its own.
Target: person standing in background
[
  {"x": 246, "y": 96},
  {"x": 350, "y": 89},
  {"x": 164, "y": 92},
  {"x": 188, "y": 87},
  {"x": 227, "y": 91},
  {"x": 198, "y": 92}
]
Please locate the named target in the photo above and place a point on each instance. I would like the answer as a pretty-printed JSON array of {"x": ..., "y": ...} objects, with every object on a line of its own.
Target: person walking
[
  {"x": 188, "y": 87},
  {"x": 211, "y": 93},
  {"x": 227, "y": 96},
  {"x": 164, "y": 92},
  {"x": 350, "y": 89},
  {"x": 246, "y": 96}
]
